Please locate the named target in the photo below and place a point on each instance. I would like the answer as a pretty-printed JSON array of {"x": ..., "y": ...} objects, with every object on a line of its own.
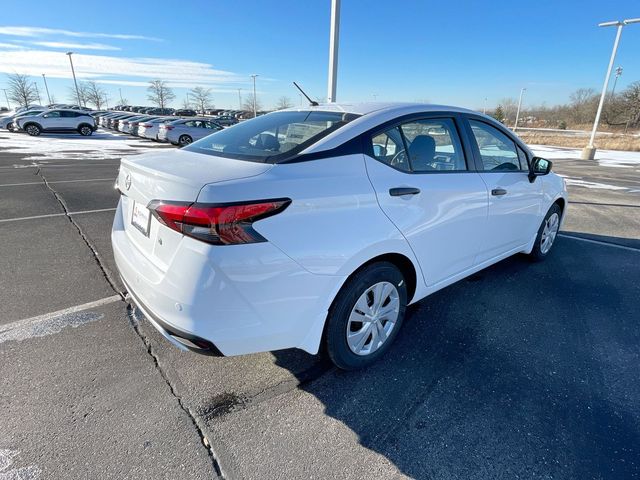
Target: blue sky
[{"x": 408, "y": 50}]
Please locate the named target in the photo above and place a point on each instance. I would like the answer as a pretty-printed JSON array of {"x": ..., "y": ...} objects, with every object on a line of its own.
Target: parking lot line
[
  {"x": 50, "y": 323},
  {"x": 112, "y": 179},
  {"x": 35, "y": 217},
  {"x": 606, "y": 244}
]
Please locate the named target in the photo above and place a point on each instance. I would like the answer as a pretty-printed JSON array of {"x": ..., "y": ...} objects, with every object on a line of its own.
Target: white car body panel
[{"x": 276, "y": 294}]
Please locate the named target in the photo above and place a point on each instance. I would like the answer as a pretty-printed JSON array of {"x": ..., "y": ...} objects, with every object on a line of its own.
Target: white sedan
[{"x": 321, "y": 224}]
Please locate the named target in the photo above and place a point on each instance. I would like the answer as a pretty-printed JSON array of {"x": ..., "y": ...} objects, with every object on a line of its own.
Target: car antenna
[{"x": 313, "y": 103}]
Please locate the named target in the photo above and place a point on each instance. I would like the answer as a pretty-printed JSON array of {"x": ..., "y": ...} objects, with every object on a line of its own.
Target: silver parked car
[
  {"x": 149, "y": 129},
  {"x": 183, "y": 132}
]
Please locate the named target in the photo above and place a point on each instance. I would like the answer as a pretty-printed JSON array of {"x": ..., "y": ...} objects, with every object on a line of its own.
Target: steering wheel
[{"x": 399, "y": 158}]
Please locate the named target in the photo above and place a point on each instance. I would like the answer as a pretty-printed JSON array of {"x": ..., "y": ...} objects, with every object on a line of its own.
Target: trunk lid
[{"x": 175, "y": 175}]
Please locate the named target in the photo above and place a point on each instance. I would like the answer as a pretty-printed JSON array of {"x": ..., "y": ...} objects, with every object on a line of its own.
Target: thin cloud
[
  {"x": 10, "y": 45},
  {"x": 76, "y": 46},
  {"x": 118, "y": 70},
  {"x": 42, "y": 32}
]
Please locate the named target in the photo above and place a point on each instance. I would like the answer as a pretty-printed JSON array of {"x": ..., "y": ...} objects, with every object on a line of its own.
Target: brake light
[
  {"x": 168, "y": 127},
  {"x": 217, "y": 224},
  {"x": 146, "y": 125}
]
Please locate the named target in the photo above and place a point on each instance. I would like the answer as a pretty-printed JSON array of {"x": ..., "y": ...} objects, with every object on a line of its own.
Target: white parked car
[
  {"x": 57, "y": 120},
  {"x": 151, "y": 128},
  {"x": 322, "y": 224}
]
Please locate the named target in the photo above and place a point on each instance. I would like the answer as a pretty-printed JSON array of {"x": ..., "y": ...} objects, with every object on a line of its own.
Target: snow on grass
[
  {"x": 605, "y": 158},
  {"x": 100, "y": 145}
]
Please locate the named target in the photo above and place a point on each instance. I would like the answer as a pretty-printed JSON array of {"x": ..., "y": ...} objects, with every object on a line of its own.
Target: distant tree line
[{"x": 621, "y": 110}]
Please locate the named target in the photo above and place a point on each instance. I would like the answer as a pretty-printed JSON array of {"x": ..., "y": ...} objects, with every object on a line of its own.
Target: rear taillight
[
  {"x": 146, "y": 125},
  {"x": 217, "y": 224},
  {"x": 168, "y": 127}
]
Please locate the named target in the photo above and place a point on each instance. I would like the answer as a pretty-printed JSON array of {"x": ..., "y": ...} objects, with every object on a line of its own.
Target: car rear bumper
[{"x": 230, "y": 300}]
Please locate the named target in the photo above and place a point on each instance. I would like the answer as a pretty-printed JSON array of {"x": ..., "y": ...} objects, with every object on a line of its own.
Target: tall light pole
[
  {"x": 522, "y": 90},
  {"x": 73, "y": 72},
  {"x": 333, "y": 50},
  {"x": 46, "y": 87},
  {"x": 120, "y": 92},
  {"x": 615, "y": 81},
  {"x": 239, "y": 99},
  {"x": 589, "y": 152},
  {"x": 6, "y": 97},
  {"x": 255, "y": 108}
]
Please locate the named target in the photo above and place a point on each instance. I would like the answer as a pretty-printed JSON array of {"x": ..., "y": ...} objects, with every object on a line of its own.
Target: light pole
[
  {"x": 333, "y": 50},
  {"x": 515, "y": 126},
  {"x": 6, "y": 97},
  {"x": 484, "y": 108},
  {"x": 255, "y": 109},
  {"x": 73, "y": 72},
  {"x": 46, "y": 87},
  {"x": 615, "y": 81},
  {"x": 239, "y": 99},
  {"x": 589, "y": 152},
  {"x": 120, "y": 92}
]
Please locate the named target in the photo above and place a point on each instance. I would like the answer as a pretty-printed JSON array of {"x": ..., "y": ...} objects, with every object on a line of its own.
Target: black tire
[
  {"x": 540, "y": 250},
  {"x": 33, "y": 129},
  {"x": 338, "y": 325},
  {"x": 85, "y": 130},
  {"x": 184, "y": 140}
]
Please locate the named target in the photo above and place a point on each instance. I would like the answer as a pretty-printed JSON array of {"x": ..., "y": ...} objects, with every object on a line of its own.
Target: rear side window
[
  {"x": 497, "y": 151},
  {"x": 420, "y": 146},
  {"x": 272, "y": 138}
]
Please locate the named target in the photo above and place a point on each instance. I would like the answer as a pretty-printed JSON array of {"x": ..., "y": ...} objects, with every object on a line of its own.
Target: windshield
[{"x": 273, "y": 137}]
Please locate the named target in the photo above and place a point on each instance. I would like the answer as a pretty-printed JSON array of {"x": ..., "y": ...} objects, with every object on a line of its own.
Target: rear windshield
[{"x": 271, "y": 138}]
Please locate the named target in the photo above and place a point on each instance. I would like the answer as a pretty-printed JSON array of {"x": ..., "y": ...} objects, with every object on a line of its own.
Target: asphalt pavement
[{"x": 524, "y": 370}]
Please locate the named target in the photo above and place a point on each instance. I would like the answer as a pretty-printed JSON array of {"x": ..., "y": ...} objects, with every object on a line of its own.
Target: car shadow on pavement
[{"x": 523, "y": 370}]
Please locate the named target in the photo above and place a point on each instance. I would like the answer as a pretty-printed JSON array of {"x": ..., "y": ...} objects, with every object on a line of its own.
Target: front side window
[
  {"x": 273, "y": 137},
  {"x": 497, "y": 151},
  {"x": 389, "y": 148}
]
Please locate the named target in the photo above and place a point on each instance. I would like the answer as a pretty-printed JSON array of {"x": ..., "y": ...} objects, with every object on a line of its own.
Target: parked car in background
[
  {"x": 302, "y": 228},
  {"x": 57, "y": 121},
  {"x": 225, "y": 121},
  {"x": 185, "y": 112},
  {"x": 150, "y": 128},
  {"x": 125, "y": 125},
  {"x": 183, "y": 132},
  {"x": 161, "y": 111},
  {"x": 7, "y": 121}
]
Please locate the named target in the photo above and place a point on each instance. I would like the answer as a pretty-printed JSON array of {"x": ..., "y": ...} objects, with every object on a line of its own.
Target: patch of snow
[
  {"x": 605, "y": 158},
  {"x": 100, "y": 145}
]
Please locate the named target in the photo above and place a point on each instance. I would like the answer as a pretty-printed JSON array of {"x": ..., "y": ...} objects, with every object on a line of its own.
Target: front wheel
[
  {"x": 184, "y": 140},
  {"x": 547, "y": 233},
  {"x": 366, "y": 316}
]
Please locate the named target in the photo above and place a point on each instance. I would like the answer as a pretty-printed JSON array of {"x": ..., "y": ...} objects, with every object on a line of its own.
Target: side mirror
[{"x": 539, "y": 166}]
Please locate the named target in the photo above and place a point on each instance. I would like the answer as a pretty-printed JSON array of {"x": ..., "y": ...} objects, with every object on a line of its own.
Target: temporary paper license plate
[{"x": 140, "y": 218}]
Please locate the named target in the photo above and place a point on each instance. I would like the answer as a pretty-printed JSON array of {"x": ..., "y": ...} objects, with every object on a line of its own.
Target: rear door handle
[
  {"x": 399, "y": 191},
  {"x": 496, "y": 192}
]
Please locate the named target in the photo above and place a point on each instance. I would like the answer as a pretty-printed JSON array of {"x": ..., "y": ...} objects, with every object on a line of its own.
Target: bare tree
[
  {"x": 21, "y": 90},
  {"x": 583, "y": 105},
  {"x": 248, "y": 103},
  {"x": 82, "y": 95},
  {"x": 95, "y": 94},
  {"x": 202, "y": 97},
  {"x": 186, "y": 104},
  {"x": 160, "y": 93},
  {"x": 283, "y": 102},
  {"x": 509, "y": 108}
]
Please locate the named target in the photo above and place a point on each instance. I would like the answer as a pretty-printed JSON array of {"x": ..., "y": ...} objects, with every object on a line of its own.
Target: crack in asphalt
[
  {"x": 193, "y": 417},
  {"x": 134, "y": 324},
  {"x": 94, "y": 252}
]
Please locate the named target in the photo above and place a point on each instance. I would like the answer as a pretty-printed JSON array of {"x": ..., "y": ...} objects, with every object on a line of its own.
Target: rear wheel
[
  {"x": 547, "y": 233},
  {"x": 184, "y": 140},
  {"x": 366, "y": 316},
  {"x": 85, "y": 130},
  {"x": 33, "y": 129}
]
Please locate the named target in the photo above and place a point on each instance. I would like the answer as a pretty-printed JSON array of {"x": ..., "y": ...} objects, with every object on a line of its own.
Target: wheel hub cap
[
  {"x": 549, "y": 233},
  {"x": 372, "y": 318}
]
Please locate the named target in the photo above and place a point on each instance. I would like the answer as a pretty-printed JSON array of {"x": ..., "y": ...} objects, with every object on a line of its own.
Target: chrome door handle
[
  {"x": 399, "y": 191},
  {"x": 496, "y": 192}
]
